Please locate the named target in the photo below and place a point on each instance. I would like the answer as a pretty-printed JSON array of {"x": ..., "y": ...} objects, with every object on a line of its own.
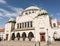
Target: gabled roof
[
  {"x": 1, "y": 30},
  {"x": 58, "y": 23}
]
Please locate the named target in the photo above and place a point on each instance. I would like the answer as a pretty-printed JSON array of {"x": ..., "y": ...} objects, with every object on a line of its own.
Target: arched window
[
  {"x": 39, "y": 15},
  {"x": 27, "y": 24},
  {"x": 32, "y": 11},
  {"x": 26, "y": 13},
  {"x": 55, "y": 32},
  {"x": 17, "y": 25},
  {"x": 54, "y": 35},
  {"x": 30, "y": 23},
  {"x": 30, "y": 36},
  {"x": 23, "y": 36},
  {"x": 13, "y": 36},
  {"x": 29, "y": 12},
  {"x": 22, "y": 25},
  {"x": 54, "y": 24},
  {"x": 18, "y": 36}
]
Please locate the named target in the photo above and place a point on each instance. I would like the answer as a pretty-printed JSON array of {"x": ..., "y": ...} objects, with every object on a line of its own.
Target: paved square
[{"x": 26, "y": 43}]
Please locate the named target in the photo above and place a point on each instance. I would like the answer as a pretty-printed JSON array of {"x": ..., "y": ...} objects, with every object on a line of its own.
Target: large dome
[{"x": 32, "y": 7}]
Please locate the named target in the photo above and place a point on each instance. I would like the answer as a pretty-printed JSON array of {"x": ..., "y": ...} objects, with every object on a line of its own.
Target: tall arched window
[
  {"x": 29, "y": 12},
  {"x": 18, "y": 36},
  {"x": 54, "y": 35},
  {"x": 30, "y": 36},
  {"x": 26, "y": 13},
  {"x": 18, "y": 26},
  {"x": 54, "y": 24},
  {"x": 23, "y": 36},
  {"x": 30, "y": 23},
  {"x": 22, "y": 25},
  {"x": 13, "y": 36}
]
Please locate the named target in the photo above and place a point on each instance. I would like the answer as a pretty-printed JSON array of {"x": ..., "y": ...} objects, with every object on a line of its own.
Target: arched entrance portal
[
  {"x": 18, "y": 36},
  {"x": 24, "y": 36},
  {"x": 13, "y": 36},
  {"x": 6, "y": 36},
  {"x": 42, "y": 37},
  {"x": 30, "y": 36},
  {"x": 56, "y": 37}
]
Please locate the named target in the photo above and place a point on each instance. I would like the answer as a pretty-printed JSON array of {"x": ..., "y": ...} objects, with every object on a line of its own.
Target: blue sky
[{"x": 12, "y": 8}]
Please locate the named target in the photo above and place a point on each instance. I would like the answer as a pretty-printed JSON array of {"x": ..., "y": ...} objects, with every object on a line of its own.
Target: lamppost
[
  {"x": 47, "y": 38},
  {"x": 35, "y": 37}
]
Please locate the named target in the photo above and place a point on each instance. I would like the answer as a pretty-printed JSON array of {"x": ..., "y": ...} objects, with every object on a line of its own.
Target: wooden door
[{"x": 42, "y": 37}]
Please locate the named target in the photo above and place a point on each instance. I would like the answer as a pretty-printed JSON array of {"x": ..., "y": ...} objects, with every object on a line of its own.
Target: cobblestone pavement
[{"x": 26, "y": 43}]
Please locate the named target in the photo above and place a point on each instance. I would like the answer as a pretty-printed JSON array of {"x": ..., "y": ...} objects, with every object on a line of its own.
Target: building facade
[
  {"x": 1, "y": 34},
  {"x": 34, "y": 24}
]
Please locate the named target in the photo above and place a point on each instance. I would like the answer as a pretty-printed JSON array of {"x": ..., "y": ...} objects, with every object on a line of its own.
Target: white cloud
[
  {"x": 51, "y": 15},
  {"x": 58, "y": 13},
  {"x": 3, "y": 1},
  {"x": 17, "y": 10},
  {"x": 6, "y": 13}
]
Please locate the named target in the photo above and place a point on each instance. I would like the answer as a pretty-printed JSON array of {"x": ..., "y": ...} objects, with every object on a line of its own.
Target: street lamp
[{"x": 47, "y": 38}]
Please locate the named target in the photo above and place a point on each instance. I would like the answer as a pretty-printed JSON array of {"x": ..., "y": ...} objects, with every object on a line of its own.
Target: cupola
[
  {"x": 43, "y": 12},
  {"x": 12, "y": 20},
  {"x": 32, "y": 7}
]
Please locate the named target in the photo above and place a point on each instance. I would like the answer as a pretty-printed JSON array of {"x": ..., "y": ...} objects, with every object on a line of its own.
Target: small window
[
  {"x": 54, "y": 24},
  {"x": 32, "y": 11},
  {"x": 39, "y": 15},
  {"x": 26, "y": 13},
  {"x": 55, "y": 32},
  {"x": 20, "y": 25},
  {"x": 17, "y": 25},
  {"x": 25, "y": 24},
  {"x": 30, "y": 23},
  {"x": 29, "y": 12}
]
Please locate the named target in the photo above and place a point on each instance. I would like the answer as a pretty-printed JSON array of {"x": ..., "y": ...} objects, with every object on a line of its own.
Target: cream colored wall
[
  {"x": 54, "y": 21},
  {"x": 1, "y": 35},
  {"x": 40, "y": 24},
  {"x": 7, "y": 30},
  {"x": 27, "y": 32}
]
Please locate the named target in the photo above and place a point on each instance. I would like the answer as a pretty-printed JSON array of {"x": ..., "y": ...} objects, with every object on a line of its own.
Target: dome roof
[
  {"x": 32, "y": 7},
  {"x": 11, "y": 19},
  {"x": 43, "y": 12}
]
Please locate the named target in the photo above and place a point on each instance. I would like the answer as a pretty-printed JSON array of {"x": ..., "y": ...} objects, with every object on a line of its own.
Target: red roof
[
  {"x": 1, "y": 30},
  {"x": 58, "y": 23}
]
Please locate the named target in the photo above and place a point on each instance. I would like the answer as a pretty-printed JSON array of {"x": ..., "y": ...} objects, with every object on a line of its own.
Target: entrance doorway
[
  {"x": 6, "y": 36},
  {"x": 42, "y": 37}
]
